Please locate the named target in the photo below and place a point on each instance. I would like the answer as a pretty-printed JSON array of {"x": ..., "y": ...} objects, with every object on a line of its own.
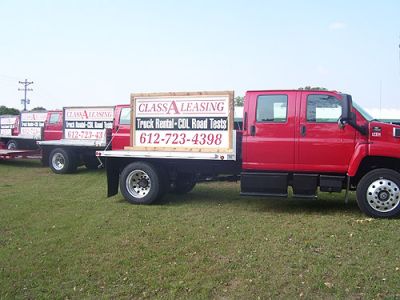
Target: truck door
[
  {"x": 322, "y": 145},
  {"x": 121, "y": 129},
  {"x": 269, "y": 138},
  {"x": 268, "y": 143},
  {"x": 53, "y": 126}
]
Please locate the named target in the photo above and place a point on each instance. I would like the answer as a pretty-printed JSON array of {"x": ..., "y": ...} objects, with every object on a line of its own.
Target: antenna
[{"x": 380, "y": 99}]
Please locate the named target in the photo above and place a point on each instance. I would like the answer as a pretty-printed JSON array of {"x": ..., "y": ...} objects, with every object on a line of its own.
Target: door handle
[
  {"x": 303, "y": 130},
  {"x": 252, "y": 130}
]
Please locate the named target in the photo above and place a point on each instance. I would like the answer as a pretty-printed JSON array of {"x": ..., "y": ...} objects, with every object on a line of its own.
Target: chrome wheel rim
[
  {"x": 12, "y": 146},
  {"x": 383, "y": 195},
  {"x": 58, "y": 161},
  {"x": 138, "y": 184}
]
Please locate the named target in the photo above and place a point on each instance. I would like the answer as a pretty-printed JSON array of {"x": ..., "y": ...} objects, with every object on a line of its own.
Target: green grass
[{"x": 60, "y": 237}]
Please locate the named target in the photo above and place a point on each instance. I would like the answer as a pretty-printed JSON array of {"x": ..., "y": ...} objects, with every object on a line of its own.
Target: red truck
[
  {"x": 85, "y": 131},
  {"x": 291, "y": 138},
  {"x": 20, "y": 133}
]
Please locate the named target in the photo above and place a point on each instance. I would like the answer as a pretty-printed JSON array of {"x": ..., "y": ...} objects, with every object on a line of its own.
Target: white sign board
[
  {"x": 7, "y": 123},
  {"x": 201, "y": 122},
  {"x": 328, "y": 114},
  {"x": 87, "y": 123},
  {"x": 32, "y": 124}
]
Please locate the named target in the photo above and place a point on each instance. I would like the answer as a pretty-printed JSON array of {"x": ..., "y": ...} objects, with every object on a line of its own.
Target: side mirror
[
  {"x": 347, "y": 116},
  {"x": 347, "y": 107}
]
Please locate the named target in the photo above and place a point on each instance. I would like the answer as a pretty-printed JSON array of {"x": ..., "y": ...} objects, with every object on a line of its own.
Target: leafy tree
[
  {"x": 38, "y": 108},
  {"x": 239, "y": 101},
  {"x": 4, "y": 110}
]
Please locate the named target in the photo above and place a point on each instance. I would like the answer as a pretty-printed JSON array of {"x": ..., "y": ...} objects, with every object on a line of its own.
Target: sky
[{"x": 91, "y": 52}]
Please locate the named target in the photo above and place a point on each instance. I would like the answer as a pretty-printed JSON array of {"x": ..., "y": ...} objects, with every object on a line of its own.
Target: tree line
[{"x": 4, "y": 110}]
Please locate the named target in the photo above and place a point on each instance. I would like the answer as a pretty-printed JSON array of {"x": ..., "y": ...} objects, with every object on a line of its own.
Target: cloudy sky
[{"x": 98, "y": 52}]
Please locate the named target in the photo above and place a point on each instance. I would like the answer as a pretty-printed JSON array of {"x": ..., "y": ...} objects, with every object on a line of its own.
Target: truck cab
[
  {"x": 309, "y": 139},
  {"x": 121, "y": 127},
  {"x": 53, "y": 126}
]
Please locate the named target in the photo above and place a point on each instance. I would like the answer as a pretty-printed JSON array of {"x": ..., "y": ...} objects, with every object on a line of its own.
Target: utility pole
[{"x": 26, "y": 83}]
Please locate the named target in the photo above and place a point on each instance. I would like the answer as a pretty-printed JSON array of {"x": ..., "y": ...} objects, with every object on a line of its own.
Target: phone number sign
[
  {"x": 87, "y": 123},
  {"x": 196, "y": 121}
]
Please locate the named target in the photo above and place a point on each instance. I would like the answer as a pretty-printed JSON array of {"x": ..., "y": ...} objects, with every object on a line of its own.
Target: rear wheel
[
  {"x": 141, "y": 183},
  {"x": 91, "y": 163},
  {"x": 378, "y": 193},
  {"x": 62, "y": 161},
  {"x": 184, "y": 183},
  {"x": 12, "y": 145}
]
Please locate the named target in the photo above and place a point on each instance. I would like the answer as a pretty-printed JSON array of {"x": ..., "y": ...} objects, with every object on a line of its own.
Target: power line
[
  {"x": 8, "y": 77},
  {"x": 26, "y": 83}
]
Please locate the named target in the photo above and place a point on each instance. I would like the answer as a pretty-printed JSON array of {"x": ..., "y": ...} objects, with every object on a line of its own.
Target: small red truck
[
  {"x": 85, "y": 131},
  {"x": 20, "y": 133},
  {"x": 306, "y": 140}
]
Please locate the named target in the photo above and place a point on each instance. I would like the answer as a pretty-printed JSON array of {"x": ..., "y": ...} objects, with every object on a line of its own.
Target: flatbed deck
[
  {"x": 74, "y": 143},
  {"x": 10, "y": 154},
  {"x": 169, "y": 154}
]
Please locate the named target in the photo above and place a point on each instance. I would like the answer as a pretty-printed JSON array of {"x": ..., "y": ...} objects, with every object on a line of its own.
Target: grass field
[{"x": 60, "y": 237}]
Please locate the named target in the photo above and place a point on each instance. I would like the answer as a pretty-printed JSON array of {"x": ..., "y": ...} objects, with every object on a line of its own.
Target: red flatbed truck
[
  {"x": 23, "y": 131},
  {"x": 303, "y": 139},
  {"x": 85, "y": 131},
  {"x": 19, "y": 134}
]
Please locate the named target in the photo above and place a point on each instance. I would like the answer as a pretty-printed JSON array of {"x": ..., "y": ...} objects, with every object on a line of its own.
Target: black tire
[
  {"x": 183, "y": 184},
  {"x": 12, "y": 145},
  {"x": 164, "y": 180},
  {"x": 141, "y": 183},
  {"x": 378, "y": 193},
  {"x": 91, "y": 163},
  {"x": 62, "y": 161},
  {"x": 44, "y": 160}
]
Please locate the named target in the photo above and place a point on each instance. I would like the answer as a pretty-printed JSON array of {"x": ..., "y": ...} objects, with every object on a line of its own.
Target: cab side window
[
  {"x": 323, "y": 109},
  {"x": 272, "y": 108},
  {"x": 54, "y": 118},
  {"x": 125, "y": 117}
]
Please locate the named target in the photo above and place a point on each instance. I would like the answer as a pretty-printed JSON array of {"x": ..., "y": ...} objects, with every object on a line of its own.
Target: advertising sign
[
  {"x": 195, "y": 121},
  {"x": 32, "y": 124},
  {"x": 7, "y": 123},
  {"x": 87, "y": 123}
]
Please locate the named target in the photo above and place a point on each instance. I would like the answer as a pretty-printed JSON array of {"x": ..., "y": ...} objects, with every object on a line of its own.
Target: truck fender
[{"x": 360, "y": 152}]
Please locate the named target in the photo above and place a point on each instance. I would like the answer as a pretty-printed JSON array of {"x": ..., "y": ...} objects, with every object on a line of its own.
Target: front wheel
[
  {"x": 141, "y": 183},
  {"x": 378, "y": 193}
]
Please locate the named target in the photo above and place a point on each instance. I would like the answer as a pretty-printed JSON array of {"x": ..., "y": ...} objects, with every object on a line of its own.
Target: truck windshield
[{"x": 363, "y": 112}]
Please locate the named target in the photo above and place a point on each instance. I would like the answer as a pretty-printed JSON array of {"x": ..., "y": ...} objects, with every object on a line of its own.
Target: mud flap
[{"x": 112, "y": 169}]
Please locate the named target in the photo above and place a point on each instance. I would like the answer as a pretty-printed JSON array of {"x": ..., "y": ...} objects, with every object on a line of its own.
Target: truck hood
[
  {"x": 384, "y": 139},
  {"x": 384, "y": 130}
]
